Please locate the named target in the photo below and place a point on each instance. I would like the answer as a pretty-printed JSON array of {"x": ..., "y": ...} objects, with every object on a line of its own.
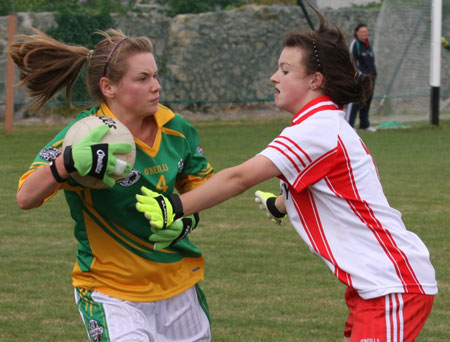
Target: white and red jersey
[{"x": 336, "y": 203}]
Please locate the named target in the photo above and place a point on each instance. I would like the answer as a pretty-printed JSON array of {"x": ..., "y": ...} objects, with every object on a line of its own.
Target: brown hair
[
  {"x": 358, "y": 27},
  {"x": 47, "y": 65},
  {"x": 326, "y": 51}
]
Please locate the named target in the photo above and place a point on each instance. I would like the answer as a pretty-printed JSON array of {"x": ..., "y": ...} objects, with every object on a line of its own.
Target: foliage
[
  {"x": 176, "y": 7},
  {"x": 273, "y": 2},
  {"x": 89, "y": 6},
  {"x": 373, "y": 4},
  {"x": 79, "y": 28}
]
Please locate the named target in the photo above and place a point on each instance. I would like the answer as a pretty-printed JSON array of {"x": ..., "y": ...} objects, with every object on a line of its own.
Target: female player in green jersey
[{"x": 131, "y": 283}]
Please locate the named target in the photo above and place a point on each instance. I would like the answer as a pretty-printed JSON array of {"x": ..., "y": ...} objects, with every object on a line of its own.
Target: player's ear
[
  {"x": 107, "y": 87},
  {"x": 317, "y": 81}
]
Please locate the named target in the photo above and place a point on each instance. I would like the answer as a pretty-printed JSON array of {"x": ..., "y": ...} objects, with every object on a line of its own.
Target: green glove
[
  {"x": 174, "y": 233},
  {"x": 90, "y": 157},
  {"x": 267, "y": 203},
  {"x": 159, "y": 210}
]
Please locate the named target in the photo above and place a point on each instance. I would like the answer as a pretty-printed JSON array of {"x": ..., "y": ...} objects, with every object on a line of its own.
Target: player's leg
[
  {"x": 364, "y": 112},
  {"x": 351, "y": 298},
  {"x": 352, "y": 111},
  {"x": 364, "y": 117},
  {"x": 394, "y": 317},
  {"x": 184, "y": 318},
  {"x": 110, "y": 319}
]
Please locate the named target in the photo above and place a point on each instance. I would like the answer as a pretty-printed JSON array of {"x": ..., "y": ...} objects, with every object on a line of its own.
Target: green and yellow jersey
[{"x": 114, "y": 254}]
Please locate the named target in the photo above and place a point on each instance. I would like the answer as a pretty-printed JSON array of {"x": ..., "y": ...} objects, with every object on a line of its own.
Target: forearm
[
  {"x": 228, "y": 183},
  {"x": 220, "y": 187},
  {"x": 39, "y": 185}
]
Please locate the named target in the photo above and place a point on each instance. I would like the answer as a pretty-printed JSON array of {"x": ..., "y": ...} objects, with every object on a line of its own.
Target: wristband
[
  {"x": 273, "y": 209},
  {"x": 55, "y": 173},
  {"x": 177, "y": 206},
  {"x": 68, "y": 159}
]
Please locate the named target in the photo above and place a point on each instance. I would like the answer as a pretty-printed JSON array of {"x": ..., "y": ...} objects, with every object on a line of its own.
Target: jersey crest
[
  {"x": 49, "y": 153},
  {"x": 131, "y": 179}
]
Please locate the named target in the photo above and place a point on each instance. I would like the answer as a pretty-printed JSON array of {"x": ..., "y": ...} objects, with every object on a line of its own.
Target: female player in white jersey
[{"x": 330, "y": 190}]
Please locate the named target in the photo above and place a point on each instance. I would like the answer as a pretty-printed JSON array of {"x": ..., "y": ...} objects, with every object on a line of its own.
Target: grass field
[{"x": 262, "y": 283}]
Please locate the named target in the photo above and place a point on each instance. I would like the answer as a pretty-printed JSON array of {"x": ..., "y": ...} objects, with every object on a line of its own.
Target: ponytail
[
  {"x": 46, "y": 65},
  {"x": 342, "y": 84}
]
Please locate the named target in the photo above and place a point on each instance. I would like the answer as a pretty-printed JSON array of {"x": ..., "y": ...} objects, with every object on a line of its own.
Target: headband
[
  {"x": 316, "y": 53},
  {"x": 111, "y": 53}
]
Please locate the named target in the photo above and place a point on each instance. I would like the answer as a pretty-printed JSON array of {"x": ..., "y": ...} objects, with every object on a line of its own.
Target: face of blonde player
[
  {"x": 138, "y": 91},
  {"x": 292, "y": 85}
]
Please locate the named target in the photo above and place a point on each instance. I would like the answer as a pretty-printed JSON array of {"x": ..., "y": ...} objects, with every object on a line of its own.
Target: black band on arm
[
  {"x": 177, "y": 206},
  {"x": 273, "y": 209},
  {"x": 68, "y": 160},
  {"x": 197, "y": 220},
  {"x": 189, "y": 225},
  {"x": 55, "y": 173}
]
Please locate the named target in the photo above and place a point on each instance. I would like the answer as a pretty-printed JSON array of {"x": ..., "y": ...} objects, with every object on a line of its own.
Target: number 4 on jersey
[{"x": 162, "y": 185}]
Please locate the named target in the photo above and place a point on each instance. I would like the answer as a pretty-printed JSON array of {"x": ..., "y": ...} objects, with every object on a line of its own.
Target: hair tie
[
  {"x": 89, "y": 55},
  {"x": 316, "y": 52},
  {"x": 358, "y": 74},
  {"x": 111, "y": 53}
]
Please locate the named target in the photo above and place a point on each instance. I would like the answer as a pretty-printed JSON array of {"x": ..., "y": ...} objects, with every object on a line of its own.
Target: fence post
[
  {"x": 435, "y": 59},
  {"x": 9, "y": 108}
]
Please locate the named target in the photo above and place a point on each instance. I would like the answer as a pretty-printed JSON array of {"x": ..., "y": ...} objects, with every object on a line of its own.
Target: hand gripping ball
[{"x": 118, "y": 133}]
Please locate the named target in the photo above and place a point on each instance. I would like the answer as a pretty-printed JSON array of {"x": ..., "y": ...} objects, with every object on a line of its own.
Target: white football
[{"x": 118, "y": 133}]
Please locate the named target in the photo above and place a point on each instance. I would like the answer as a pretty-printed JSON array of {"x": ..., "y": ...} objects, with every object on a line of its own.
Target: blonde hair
[{"x": 47, "y": 65}]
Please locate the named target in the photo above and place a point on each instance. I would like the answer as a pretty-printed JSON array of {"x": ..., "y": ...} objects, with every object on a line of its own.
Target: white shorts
[{"x": 180, "y": 318}]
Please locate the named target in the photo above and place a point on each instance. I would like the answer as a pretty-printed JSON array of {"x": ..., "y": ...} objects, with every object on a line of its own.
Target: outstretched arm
[
  {"x": 228, "y": 183},
  {"x": 162, "y": 211}
]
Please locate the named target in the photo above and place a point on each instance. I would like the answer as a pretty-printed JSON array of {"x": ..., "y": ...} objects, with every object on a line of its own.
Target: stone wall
[
  {"x": 210, "y": 57},
  {"x": 335, "y": 4}
]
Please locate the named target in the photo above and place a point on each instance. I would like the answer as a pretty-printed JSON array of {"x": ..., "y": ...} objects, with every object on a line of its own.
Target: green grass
[{"x": 262, "y": 283}]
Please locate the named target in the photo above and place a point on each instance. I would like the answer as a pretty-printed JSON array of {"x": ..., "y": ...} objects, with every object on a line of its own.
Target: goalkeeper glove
[
  {"x": 174, "y": 233},
  {"x": 159, "y": 210},
  {"x": 444, "y": 41},
  {"x": 90, "y": 157},
  {"x": 267, "y": 203}
]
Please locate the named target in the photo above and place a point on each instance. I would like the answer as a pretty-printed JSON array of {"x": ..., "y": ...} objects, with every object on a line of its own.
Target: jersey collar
[
  {"x": 316, "y": 105},
  {"x": 162, "y": 116}
]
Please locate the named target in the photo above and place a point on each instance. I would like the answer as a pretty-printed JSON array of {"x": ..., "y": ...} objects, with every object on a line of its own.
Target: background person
[
  {"x": 330, "y": 190},
  {"x": 124, "y": 288},
  {"x": 364, "y": 58}
]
